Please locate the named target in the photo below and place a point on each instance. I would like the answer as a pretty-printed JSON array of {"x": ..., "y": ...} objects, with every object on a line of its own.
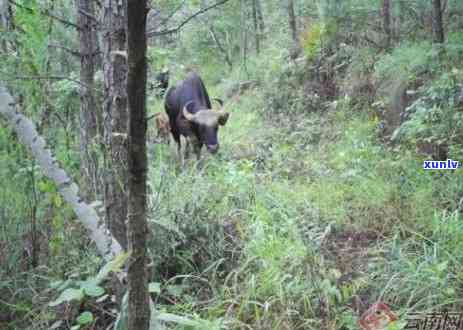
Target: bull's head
[{"x": 207, "y": 122}]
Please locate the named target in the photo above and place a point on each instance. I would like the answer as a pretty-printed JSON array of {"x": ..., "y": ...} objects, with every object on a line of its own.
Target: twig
[
  {"x": 176, "y": 29},
  {"x": 165, "y": 20},
  {"x": 45, "y": 13},
  {"x": 69, "y": 50},
  {"x": 47, "y": 78},
  {"x": 93, "y": 18}
]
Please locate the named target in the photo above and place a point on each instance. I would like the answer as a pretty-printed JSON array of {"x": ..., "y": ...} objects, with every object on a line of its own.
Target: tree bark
[
  {"x": 292, "y": 20},
  {"x": 107, "y": 246},
  {"x": 437, "y": 23},
  {"x": 387, "y": 21},
  {"x": 88, "y": 112},
  {"x": 115, "y": 118},
  {"x": 138, "y": 301},
  {"x": 256, "y": 26}
]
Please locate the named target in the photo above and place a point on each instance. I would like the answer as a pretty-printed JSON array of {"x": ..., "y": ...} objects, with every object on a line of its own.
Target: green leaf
[
  {"x": 113, "y": 266},
  {"x": 91, "y": 288},
  {"x": 442, "y": 266},
  {"x": 154, "y": 287},
  {"x": 167, "y": 317},
  {"x": 175, "y": 290},
  {"x": 68, "y": 295},
  {"x": 56, "y": 325},
  {"x": 56, "y": 284},
  {"x": 102, "y": 298},
  {"x": 85, "y": 318}
]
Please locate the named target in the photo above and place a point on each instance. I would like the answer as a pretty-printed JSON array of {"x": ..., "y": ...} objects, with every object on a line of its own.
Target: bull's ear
[{"x": 223, "y": 117}]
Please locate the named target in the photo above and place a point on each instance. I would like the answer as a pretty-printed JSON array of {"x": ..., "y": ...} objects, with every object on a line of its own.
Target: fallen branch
[
  {"x": 150, "y": 34},
  {"x": 106, "y": 245}
]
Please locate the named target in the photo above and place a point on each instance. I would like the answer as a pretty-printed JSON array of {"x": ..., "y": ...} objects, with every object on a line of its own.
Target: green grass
[{"x": 291, "y": 194}]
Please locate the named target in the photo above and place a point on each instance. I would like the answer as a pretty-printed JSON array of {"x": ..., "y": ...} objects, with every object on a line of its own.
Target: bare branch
[
  {"x": 150, "y": 34},
  {"x": 69, "y": 50}
]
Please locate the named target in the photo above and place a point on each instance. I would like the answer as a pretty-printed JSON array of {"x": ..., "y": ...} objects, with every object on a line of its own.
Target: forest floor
[{"x": 296, "y": 223}]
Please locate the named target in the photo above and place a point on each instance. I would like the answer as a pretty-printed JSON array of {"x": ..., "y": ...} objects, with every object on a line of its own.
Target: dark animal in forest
[
  {"x": 191, "y": 116},
  {"x": 161, "y": 121},
  {"x": 161, "y": 83}
]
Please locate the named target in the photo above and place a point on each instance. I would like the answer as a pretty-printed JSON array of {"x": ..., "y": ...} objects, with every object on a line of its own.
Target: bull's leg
[
  {"x": 187, "y": 147},
  {"x": 197, "y": 150},
  {"x": 178, "y": 141}
]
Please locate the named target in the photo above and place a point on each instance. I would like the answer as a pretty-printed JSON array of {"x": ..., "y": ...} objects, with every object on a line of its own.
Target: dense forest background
[{"x": 316, "y": 207}]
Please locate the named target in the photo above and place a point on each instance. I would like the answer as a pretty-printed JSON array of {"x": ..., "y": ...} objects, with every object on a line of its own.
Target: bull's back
[{"x": 190, "y": 89}]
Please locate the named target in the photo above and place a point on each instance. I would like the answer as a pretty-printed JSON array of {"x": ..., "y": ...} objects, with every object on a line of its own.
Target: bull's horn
[
  {"x": 223, "y": 117},
  {"x": 188, "y": 115}
]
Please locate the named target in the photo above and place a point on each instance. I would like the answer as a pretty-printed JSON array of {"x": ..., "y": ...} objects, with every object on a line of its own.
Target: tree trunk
[
  {"x": 24, "y": 128},
  {"x": 88, "y": 112},
  {"x": 437, "y": 23},
  {"x": 387, "y": 21},
  {"x": 139, "y": 307},
  {"x": 256, "y": 26},
  {"x": 115, "y": 118},
  {"x": 292, "y": 20}
]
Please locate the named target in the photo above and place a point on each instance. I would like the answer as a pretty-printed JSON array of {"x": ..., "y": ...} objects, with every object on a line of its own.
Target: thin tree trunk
[
  {"x": 401, "y": 17},
  {"x": 25, "y": 129},
  {"x": 244, "y": 35},
  {"x": 437, "y": 22},
  {"x": 256, "y": 26},
  {"x": 138, "y": 300},
  {"x": 292, "y": 20},
  {"x": 221, "y": 47},
  {"x": 115, "y": 118},
  {"x": 387, "y": 21},
  {"x": 46, "y": 113},
  {"x": 260, "y": 18},
  {"x": 5, "y": 21},
  {"x": 88, "y": 113}
]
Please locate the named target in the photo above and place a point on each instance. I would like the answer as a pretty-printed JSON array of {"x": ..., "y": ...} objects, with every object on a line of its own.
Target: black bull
[{"x": 190, "y": 115}]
